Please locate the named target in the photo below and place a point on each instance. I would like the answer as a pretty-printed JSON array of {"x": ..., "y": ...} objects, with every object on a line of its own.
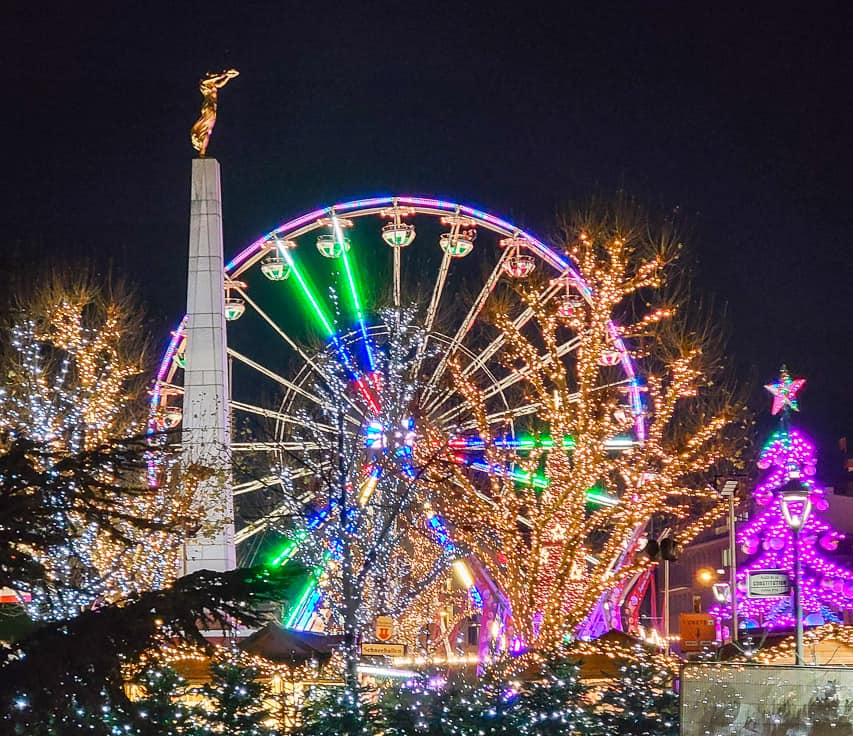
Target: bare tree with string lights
[
  {"x": 71, "y": 430},
  {"x": 358, "y": 512},
  {"x": 559, "y": 521}
]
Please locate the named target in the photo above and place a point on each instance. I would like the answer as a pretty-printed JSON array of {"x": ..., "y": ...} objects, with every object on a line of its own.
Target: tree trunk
[{"x": 349, "y": 594}]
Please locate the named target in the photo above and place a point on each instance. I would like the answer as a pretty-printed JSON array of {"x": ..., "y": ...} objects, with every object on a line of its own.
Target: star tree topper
[{"x": 785, "y": 392}]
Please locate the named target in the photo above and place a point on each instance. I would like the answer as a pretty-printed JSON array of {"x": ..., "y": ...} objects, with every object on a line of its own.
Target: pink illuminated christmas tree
[{"x": 767, "y": 540}]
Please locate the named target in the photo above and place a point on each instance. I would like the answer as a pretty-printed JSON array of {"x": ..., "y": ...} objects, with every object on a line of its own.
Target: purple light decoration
[{"x": 768, "y": 541}]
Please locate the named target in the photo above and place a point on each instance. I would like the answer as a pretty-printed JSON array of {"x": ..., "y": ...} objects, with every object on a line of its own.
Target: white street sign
[{"x": 768, "y": 583}]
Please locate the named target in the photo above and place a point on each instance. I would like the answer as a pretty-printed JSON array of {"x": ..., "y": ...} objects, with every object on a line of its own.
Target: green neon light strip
[
  {"x": 310, "y": 586},
  {"x": 290, "y": 547},
  {"x": 297, "y": 608},
  {"x": 285, "y": 252},
  {"x": 523, "y": 477},
  {"x": 353, "y": 291}
]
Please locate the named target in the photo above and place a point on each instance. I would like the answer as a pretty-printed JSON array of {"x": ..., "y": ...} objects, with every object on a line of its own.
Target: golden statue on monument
[{"x": 209, "y": 88}]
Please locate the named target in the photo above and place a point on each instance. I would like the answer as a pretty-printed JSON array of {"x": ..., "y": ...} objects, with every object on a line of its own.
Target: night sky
[{"x": 738, "y": 119}]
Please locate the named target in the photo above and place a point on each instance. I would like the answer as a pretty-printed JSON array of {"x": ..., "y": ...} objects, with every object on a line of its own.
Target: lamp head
[
  {"x": 728, "y": 487},
  {"x": 705, "y": 576},
  {"x": 721, "y": 592},
  {"x": 796, "y": 504}
]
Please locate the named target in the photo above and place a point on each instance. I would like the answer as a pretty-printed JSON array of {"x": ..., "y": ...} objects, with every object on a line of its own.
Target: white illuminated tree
[{"x": 73, "y": 382}]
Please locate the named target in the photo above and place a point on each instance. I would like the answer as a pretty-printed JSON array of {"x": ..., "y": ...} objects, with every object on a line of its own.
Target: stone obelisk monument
[{"x": 206, "y": 437}]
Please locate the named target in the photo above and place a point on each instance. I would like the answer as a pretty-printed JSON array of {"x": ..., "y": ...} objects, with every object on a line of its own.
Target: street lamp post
[
  {"x": 666, "y": 606},
  {"x": 728, "y": 491},
  {"x": 796, "y": 506}
]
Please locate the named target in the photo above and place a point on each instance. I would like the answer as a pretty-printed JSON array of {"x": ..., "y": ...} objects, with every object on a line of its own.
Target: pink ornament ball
[
  {"x": 848, "y": 588},
  {"x": 826, "y": 582},
  {"x": 810, "y": 469},
  {"x": 764, "y": 463},
  {"x": 838, "y": 585},
  {"x": 762, "y": 499},
  {"x": 821, "y": 504},
  {"x": 750, "y": 546},
  {"x": 829, "y": 543},
  {"x": 777, "y": 543}
]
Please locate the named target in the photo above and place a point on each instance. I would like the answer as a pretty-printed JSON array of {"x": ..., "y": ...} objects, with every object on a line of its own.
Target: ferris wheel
[{"x": 313, "y": 290}]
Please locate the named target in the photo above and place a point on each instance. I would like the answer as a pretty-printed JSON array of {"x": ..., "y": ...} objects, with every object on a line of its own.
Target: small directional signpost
[
  {"x": 698, "y": 631},
  {"x": 383, "y": 647},
  {"x": 768, "y": 583},
  {"x": 377, "y": 649}
]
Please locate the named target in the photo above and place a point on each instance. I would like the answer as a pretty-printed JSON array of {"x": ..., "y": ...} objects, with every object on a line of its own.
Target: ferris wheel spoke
[
  {"x": 263, "y": 523},
  {"x": 250, "y": 486},
  {"x": 170, "y": 387},
  {"x": 517, "y": 376},
  {"x": 518, "y": 322},
  {"x": 294, "y": 447},
  {"x": 275, "y": 377},
  {"x": 526, "y": 410},
  {"x": 283, "y": 381},
  {"x": 472, "y": 315},
  {"x": 278, "y": 416},
  {"x": 397, "y": 276},
  {"x": 510, "y": 380},
  {"x": 480, "y": 360},
  {"x": 501, "y": 417},
  {"x": 281, "y": 333},
  {"x": 432, "y": 310}
]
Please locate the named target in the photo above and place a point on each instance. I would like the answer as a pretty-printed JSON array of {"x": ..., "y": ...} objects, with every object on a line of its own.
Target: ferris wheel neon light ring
[{"x": 288, "y": 231}]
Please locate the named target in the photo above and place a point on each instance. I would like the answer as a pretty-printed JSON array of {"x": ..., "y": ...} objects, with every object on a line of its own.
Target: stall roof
[{"x": 278, "y": 644}]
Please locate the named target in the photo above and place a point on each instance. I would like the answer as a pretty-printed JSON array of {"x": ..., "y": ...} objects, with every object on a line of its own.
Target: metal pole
[
  {"x": 733, "y": 568},
  {"x": 666, "y": 605},
  {"x": 798, "y": 598}
]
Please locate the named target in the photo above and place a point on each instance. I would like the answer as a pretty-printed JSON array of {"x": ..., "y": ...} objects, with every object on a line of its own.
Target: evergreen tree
[
  {"x": 163, "y": 708},
  {"x": 79, "y": 660},
  {"x": 72, "y": 382},
  {"x": 642, "y": 700},
  {"x": 434, "y": 706},
  {"x": 789, "y": 458},
  {"x": 236, "y": 700},
  {"x": 554, "y": 700},
  {"x": 331, "y": 711}
]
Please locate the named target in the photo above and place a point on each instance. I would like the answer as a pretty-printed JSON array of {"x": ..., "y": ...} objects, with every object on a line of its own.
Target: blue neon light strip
[{"x": 443, "y": 538}]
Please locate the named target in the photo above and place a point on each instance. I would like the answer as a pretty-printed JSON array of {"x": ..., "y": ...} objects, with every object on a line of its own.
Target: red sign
[{"x": 384, "y": 628}]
